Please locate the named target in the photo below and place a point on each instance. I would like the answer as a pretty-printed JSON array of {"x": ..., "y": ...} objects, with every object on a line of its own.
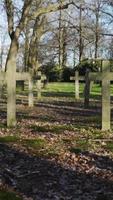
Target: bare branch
[
  {"x": 51, "y": 8},
  {"x": 24, "y": 17},
  {"x": 10, "y": 16}
]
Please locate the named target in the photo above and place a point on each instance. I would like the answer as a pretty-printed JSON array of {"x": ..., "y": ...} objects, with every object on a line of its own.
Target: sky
[{"x": 4, "y": 37}]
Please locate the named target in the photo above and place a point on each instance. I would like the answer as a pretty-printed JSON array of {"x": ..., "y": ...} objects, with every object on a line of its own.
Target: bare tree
[{"x": 14, "y": 33}]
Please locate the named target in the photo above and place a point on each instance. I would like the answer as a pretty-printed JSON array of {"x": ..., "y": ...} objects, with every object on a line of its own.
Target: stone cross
[
  {"x": 10, "y": 79},
  {"x": 25, "y": 76},
  {"x": 105, "y": 76},
  {"x": 39, "y": 78},
  {"x": 77, "y": 78}
]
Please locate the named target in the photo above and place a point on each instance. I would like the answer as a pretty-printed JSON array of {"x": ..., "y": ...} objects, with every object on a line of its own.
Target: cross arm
[
  {"x": 100, "y": 76},
  {"x": 2, "y": 76},
  {"x": 93, "y": 76},
  {"x": 80, "y": 78},
  {"x": 22, "y": 76},
  {"x": 43, "y": 78}
]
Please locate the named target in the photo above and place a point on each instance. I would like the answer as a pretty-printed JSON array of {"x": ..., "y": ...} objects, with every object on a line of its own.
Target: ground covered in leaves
[{"x": 56, "y": 152}]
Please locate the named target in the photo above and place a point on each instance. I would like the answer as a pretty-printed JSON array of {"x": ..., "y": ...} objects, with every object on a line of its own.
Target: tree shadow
[
  {"x": 75, "y": 113},
  {"x": 58, "y": 94},
  {"x": 71, "y": 112},
  {"x": 62, "y": 112},
  {"x": 81, "y": 177}
]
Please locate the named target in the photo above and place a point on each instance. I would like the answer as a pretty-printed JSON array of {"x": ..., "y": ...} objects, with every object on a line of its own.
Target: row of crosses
[
  {"x": 10, "y": 80},
  {"x": 105, "y": 76}
]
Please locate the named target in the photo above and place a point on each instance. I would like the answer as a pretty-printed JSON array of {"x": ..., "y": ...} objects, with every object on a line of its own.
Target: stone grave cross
[
  {"x": 39, "y": 78},
  {"x": 26, "y": 76},
  {"x": 105, "y": 76},
  {"x": 77, "y": 78},
  {"x": 10, "y": 77}
]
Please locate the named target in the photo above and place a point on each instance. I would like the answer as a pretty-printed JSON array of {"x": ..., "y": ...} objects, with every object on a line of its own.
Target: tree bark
[{"x": 11, "y": 83}]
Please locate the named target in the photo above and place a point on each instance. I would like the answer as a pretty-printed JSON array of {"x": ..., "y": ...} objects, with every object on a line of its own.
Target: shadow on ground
[
  {"x": 43, "y": 179},
  {"x": 63, "y": 112}
]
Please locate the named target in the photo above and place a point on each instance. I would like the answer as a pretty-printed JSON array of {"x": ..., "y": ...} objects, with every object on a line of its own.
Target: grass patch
[
  {"x": 109, "y": 146},
  {"x": 63, "y": 89},
  {"x": 4, "y": 195},
  {"x": 58, "y": 94},
  {"x": 53, "y": 151},
  {"x": 80, "y": 146},
  {"x": 59, "y": 90},
  {"x": 35, "y": 143},
  {"x": 58, "y": 129},
  {"x": 60, "y": 87},
  {"x": 97, "y": 135},
  {"x": 41, "y": 148},
  {"x": 68, "y": 89},
  {"x": 52, "y": 128},
  {"x": 8, "y": 139},
  {"x": 3, "y": 125}
]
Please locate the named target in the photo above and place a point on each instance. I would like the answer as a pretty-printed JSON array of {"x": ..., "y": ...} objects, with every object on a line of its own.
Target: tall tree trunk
[
  {"x": 60, "y": 40},
  {"x": 38, "y": 31},
  {"x": 26, "y": 54},
  {"x": 11, "y": 83},
  {"x": 64, "y": 57},
  {"x": 80, "y": 35},
  {"x": 97, "y": 34}
]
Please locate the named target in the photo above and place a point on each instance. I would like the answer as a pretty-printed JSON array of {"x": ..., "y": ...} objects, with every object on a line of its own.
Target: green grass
[
  {"x": 3, "y": 125},
  {"x": 59, "y": 89},
  {"x": 68, "y": 89},
  {"x": 52, "y": 128},
  {"x": 4, "y": 195},
  {"x": 35, "y": 143},
  {"x": 96, "y": 89},
  {"x": 60, "y": 128},
  {"x": 8, "y": 139},
  {"x": 97, "y": 135},
  {"x": 109, "y": 146},
  {"x": 80, "y": 146},
  {"x": 65, "y": 89}
]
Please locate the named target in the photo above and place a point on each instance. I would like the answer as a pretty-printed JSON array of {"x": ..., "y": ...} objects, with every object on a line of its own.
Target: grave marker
[
  {"x": 39, "y": 78},
  {"x": 25, "y": 76},
  {"x": 105, "y": 76},
  {"x": 77, "y": 78},
  {"x": 10, "y": 79}
]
